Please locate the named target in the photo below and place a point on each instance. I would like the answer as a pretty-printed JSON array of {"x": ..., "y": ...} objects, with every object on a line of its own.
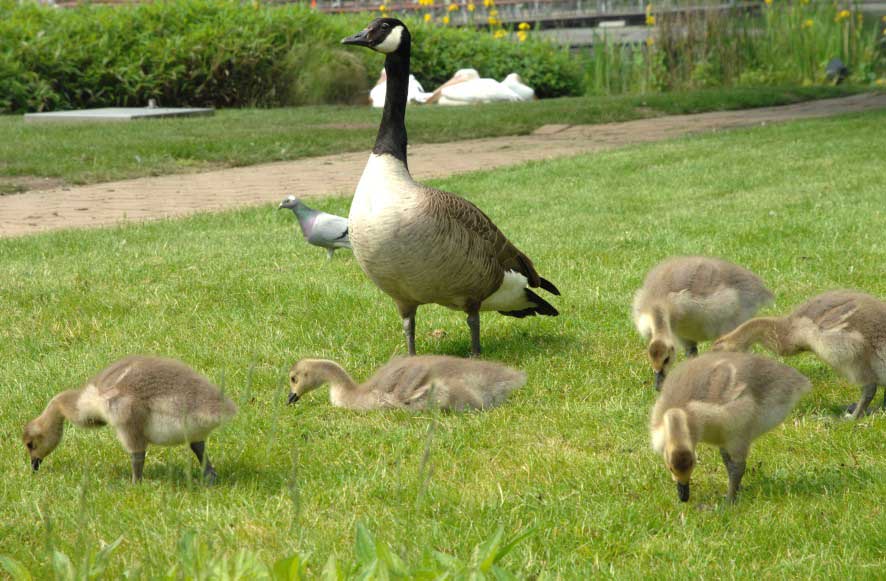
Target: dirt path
[{"x": 177, "y": 195}]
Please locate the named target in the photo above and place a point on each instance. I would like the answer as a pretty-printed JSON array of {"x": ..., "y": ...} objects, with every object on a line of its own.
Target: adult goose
[{"x": 421, "y": 245}]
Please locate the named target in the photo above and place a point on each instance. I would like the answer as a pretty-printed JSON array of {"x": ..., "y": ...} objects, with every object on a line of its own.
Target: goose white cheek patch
[{"x": 392, "y": 42}]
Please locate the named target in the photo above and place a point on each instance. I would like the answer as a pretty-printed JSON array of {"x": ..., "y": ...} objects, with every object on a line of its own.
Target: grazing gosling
[
  {"x": 723, "y": 399},
  {"x": 414, "y": 383},
  {"x": 148, "y": 400},
  {"x": 690, "y": 299},
  {"x": 845, "y": 329}
]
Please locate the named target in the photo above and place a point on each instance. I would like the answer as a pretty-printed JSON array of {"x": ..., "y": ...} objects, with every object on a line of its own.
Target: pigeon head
[{"x": 290, "y": 202}]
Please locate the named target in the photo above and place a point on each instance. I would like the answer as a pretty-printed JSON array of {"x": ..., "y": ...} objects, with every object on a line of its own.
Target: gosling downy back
[
  {"x": 417, "y": 383},
  {"x": 723, "y": 399}
]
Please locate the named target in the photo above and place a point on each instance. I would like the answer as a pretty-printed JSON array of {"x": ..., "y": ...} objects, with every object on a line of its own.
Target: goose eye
[{"x": 385, "y": 25}]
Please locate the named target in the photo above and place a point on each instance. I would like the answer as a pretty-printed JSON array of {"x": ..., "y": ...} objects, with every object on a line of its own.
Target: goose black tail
[
  {"x": 540, "y": 307},
  {"x": 549, "y": 286}
]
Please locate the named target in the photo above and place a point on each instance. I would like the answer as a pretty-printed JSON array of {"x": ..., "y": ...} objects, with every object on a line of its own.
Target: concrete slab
[{"x": 119, "y": 114}]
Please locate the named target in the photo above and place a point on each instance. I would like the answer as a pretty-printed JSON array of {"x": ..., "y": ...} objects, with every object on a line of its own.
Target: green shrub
[{"x": 224, "y": 53}]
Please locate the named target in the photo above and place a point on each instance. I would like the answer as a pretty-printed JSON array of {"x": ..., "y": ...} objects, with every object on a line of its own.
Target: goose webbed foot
[
  {"x": 138, "y": 466},
  {"x": 474, "y": 325}
]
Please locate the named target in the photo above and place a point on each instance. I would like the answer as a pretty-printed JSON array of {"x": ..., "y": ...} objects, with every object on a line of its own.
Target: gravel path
[{"x": 177, "y": 195}]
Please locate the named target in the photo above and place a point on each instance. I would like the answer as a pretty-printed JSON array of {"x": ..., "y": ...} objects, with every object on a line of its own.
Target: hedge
[{"x": 222, "y": 53}]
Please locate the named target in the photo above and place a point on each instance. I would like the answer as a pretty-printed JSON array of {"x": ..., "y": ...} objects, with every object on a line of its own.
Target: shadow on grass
[
  {"x": 497, "y": 344},
  {"x": 821, "y": 482}
]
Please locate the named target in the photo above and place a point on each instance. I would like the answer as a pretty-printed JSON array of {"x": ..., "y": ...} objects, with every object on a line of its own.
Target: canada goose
[
  {"x": 723, "y": 399},
  {"x": 691, "y": 299},
  {"x": 147, "y": 400},
  {"x": 411, "y": 383},
  {"x": 319, "y": 228},
  {"x": 846, "y": 329},
  {"x": 421, "y": 245}
]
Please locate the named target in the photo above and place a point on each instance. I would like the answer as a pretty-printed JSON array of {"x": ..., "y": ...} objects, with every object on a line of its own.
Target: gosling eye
[
  {"x": 667, "y": 360},
  {"x": 30, "y": 445},
  {"x": 293, "y": 378}
]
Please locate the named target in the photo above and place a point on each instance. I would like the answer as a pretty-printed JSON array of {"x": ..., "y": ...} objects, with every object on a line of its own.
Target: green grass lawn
[
  {"x": 240, "y": 297},
  {"x": 86, "y": 153}
]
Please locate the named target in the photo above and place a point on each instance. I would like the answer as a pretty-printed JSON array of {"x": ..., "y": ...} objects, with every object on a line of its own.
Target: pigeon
[{"x": 319, "y": 228}]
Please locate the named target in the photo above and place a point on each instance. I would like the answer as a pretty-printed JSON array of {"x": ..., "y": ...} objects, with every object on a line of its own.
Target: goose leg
[
  {"x": 407, "y": 313},
  {"x": 474, "y": 326},
  {"x": 138, "y": 465},
  {"x": 735, "y": 469},
  {"x": 209, "y": 474},
  {"x": 867, "y": 394}
]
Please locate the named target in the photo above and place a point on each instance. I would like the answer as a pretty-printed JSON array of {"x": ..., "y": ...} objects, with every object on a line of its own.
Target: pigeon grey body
[{"x": 319, "y": 228}]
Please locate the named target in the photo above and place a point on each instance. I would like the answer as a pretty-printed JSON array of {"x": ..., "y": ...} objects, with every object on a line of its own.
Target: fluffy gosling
[
  {"x": 690, "y": 299},
  {"x": 723, "y": 399},
  {"x": 845, "y": 329},
  {"x": 147, "y": 400},
  {"x": 414, "y": 383}
]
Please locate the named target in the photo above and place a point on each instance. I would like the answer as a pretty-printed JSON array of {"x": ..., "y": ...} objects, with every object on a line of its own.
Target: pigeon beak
[
  {"x": 35, "y": 463},
  {"x": 293, "y": 397},
  {"x": 659, "y": 380},
  {"x": 683, "y": 492}
]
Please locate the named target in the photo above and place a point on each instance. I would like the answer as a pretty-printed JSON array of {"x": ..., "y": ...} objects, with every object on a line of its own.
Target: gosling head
[
  {"x": 662, "y": 355},
  {"x": 384, "y": 35},
  {"x": 40, "y": 441},
  {"x": 681, "y": 463},
  {"x": 303, "y": 377}
]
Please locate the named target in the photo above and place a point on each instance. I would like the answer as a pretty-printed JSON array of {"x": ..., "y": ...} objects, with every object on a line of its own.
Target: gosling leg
[
  {"x": 867, "y": 395},
  {"x": 691, "y": 349},
  {"x": 209, "y": 474},
  {"x": 474, "y": 325},
  {"x": 735, "y": 469},
  {"x": 138, "y": 466}
]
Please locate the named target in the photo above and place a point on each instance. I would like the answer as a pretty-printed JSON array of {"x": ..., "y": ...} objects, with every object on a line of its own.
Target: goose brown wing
[{"x": 470, "y": 221}]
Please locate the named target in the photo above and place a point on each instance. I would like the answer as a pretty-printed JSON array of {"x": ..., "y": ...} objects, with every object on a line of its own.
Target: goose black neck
[{"x": 392, "y": 131}]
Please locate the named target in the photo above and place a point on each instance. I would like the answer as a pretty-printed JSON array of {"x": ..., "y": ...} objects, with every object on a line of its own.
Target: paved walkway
[{"x": 178, "y": 195}]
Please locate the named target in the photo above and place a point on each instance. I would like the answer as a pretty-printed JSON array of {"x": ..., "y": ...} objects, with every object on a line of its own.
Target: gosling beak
[
  {"x": 683, "y": 492},
  {"x": 659, "y": 379},
  {"x": 359, "y": 39},
  {"x": 35, "y": 463},
  {"x": 293, "y": 397}
]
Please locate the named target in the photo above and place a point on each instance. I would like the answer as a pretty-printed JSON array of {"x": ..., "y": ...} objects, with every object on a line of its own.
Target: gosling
[
  {"x": 687, "y": 300},
  {"x": 430, "y": 381},
  {"x": 723, "y": 399},
  {"x": 845, "y": 329},
  {"x": 147, "y": 400}
]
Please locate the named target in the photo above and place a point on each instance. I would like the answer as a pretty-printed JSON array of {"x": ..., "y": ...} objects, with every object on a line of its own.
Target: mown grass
[
  {"x": 240, "y": 297},
  {"x": 86, "y": 153}
]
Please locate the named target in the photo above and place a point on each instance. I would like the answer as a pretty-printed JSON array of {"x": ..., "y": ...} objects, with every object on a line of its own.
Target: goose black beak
[
  {"x": 35, "y": 463},
  {"x": 683, "y": 492},
  {"x": 293, "y": 397},
  {"x": 359, "y": 39},
  {"x": 659, "y": 380}
]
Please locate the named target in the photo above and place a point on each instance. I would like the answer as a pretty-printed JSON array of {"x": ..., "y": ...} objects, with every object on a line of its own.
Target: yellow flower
[
  {"x": 471, "y": 7},
  {"x": 807, "y": 23},
  {"x": 382, "y": 8},
  {"x": 500, "y": 34},
  {"x": 650, "y": 20},
  {"x": 524, "y": 26},
  {"x": 521, "y": 35},
  {"x": 427, "y": 17},
  {"x": 488, "y": 3},
  {"x": 650, "y": 41},
  {"x": 446, "y": 20},
  {"x": 842, "y": 15},
  {"x": 492, "y": 21},
  {"x": 768, "y": 2},
  {"x": 452, "y": 7},
  {"x": 493, "y": 13},
  {"x": 880, "y": 82}
]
